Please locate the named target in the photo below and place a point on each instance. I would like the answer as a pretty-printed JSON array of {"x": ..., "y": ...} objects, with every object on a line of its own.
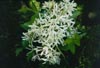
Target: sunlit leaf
[{"x": 34, "y": 5}]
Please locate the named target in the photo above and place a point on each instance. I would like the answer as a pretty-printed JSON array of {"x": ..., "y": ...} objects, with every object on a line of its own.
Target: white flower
[
  {"x": 48, "y": 4},
  {"x": 51, "y": 55},
  {"x": 50, "y": 29}
]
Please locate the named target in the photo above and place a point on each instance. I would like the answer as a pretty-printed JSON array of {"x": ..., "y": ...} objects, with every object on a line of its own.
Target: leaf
[
  {"x": 29, "y": 55},
  {"x": 64, "y": 48},
  {"x": 23, "y": 9},
  {"x": 70, "y": 45},
  {"x": 71, "y": 42},
  {"x": 34, "y": 5},
  {"x": 26, "y": 24},
  {"x": 76, "y": 13},
  {"x": 77, "y": 39},
  {"x": 18, "y": 51},
  {"x": 68, "y": 41},
  {"x": 71, "y": 48},
  {"x": 25, "y": 43},
  {"x": 33, "y": 18}
]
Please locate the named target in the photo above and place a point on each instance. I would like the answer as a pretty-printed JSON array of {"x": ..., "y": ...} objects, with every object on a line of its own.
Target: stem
[{"x": 60, "y": 52}]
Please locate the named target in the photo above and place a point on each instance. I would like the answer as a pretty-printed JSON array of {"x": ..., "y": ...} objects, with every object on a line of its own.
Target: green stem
[{"x": 60, "y": 52}]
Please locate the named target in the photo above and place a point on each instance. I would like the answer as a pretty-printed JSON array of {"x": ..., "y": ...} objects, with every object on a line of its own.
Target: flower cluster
[{"x": 50, "y": 29}]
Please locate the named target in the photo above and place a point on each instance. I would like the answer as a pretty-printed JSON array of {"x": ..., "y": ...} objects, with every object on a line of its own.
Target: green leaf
[
  {"x": 70, "y": 45},
  {"x": 18, "y": 51},
  {"x": 29, "y": 55},
  {"x": 71, "y": 48},
  {"x": 23, "y": 9},
  {"x": 34, "y": 5},
  {"x": 71, "y": 42},
  {"x": 25, "y": 43},
  {"x": 76, "y": 13},
  {"x": 63, "y": 48},
  {"x": 26, "y": 24},
  {"x": 68, "y": 41},
  {"x": 33, "y": 18},
  {"x": 77, "y": 39}
]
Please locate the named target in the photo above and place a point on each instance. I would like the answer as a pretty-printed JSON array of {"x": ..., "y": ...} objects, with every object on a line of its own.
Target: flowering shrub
[{"x": 52, "y": 31}]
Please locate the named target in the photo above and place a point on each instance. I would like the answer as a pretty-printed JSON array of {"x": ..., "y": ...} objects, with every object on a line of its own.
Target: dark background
[{"x": 10, "y": 33}]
